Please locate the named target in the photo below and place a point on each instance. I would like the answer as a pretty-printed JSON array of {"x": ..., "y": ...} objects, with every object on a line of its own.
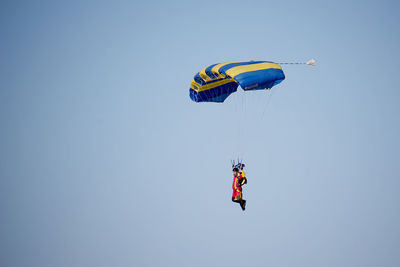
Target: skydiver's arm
[{"x": 244, "y": 179}]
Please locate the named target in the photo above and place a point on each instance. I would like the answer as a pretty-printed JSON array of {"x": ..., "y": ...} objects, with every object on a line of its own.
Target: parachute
[{"x": 216, "y": 82}]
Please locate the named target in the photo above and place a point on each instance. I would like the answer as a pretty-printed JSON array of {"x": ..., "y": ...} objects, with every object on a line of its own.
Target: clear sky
[{"x": 105, "y": 161}]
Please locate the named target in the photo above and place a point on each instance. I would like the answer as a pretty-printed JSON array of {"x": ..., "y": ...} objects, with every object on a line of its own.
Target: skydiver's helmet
[
  {"x": 235, "y": 169},
  {"x": 240, "y": 166}
]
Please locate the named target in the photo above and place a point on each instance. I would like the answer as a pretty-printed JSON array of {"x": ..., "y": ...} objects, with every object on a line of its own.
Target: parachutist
[{"x": 239, "y": 179}]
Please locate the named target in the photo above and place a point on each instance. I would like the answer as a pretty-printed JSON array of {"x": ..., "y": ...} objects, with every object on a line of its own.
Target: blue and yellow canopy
[{"x": 216, "y": 82}]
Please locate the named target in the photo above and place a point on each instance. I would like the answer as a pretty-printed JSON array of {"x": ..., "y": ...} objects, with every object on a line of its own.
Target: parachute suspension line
[
  {"x": 269, "y": 97},
  {"x": 237, "y": 119},
  {"x": 244, "y": 125},
  {"x": 234, "y": 119},
  {"x": 242, "y": 102},
  {"x": 311, "y": 62},
  {"x": 239, "y": 125}
]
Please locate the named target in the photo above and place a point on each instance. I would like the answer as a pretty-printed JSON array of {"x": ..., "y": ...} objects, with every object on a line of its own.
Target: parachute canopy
[{"x": 216, "y": 82}]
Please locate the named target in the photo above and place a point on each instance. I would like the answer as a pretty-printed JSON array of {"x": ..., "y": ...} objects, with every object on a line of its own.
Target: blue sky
[{"x": 105, "y": 161}]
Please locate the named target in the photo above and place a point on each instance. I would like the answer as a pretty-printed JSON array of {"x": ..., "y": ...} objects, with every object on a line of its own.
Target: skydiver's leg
[
  {"x": 243, "y": 204},
  {"x": 240, "y": 201},
  {"x": 235, "y": 200}
]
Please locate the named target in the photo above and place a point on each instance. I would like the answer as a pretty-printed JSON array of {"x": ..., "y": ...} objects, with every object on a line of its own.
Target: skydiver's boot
[{"x": 243, "y": 204}]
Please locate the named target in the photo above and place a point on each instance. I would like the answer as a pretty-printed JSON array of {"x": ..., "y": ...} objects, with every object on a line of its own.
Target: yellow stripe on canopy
[
  {"x": 207, "y": 78},
  {"x": 199, "y": 88},
  {"x": 216, "y": 68},
  {"x": 252, "y": 67},
  {"x": 204, "y": 76}
]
